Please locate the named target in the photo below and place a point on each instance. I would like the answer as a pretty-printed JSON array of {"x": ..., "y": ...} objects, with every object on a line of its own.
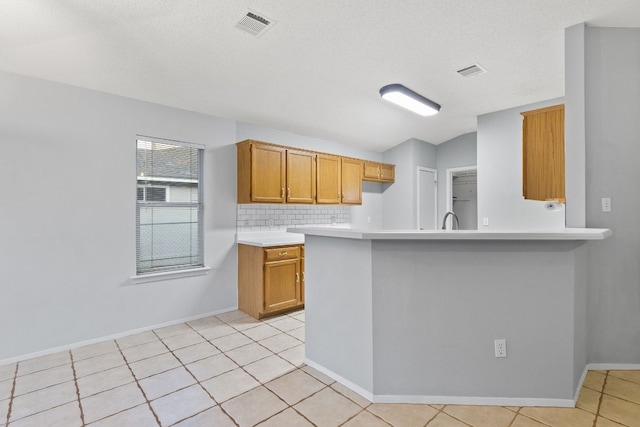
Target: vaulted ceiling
[{"x": 318, "y": 70}]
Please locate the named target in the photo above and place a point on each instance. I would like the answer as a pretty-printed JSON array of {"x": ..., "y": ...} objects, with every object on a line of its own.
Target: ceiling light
[{"x": 410, "y": 100}]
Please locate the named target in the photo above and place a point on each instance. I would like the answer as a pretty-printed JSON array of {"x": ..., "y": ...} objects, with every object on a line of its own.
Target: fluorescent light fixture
[{"x": 410, "y": 100}]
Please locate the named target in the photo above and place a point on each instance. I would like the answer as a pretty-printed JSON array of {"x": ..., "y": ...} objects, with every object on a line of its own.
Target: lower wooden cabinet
[{"x": 270, "y": 280}]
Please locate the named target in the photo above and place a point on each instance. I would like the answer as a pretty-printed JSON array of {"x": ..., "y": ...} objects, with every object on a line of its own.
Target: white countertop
[
  {"x": 559, "y": 234},
  {"x": 269, "y": 238}
]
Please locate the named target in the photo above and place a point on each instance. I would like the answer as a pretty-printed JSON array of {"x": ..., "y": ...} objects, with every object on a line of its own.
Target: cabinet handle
[
  {"x": 282, "y": 192},
  {"x": 297, "y": 277},
  {"x": 282, "y": 253},
  {"x": 288, "y": 193}
]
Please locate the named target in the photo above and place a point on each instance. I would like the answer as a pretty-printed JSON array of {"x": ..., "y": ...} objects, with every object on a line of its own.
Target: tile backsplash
[{"x": 268, "y": 217}]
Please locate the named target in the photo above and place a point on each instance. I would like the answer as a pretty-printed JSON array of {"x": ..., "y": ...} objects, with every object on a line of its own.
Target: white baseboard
[
  {"x": 613, "y": 366},
  {"x": 472, "y": 400},
  {"x": 345, "y": 382},
  {"x": 110, "y": 337},
  {"x": 475, "y": 400}
]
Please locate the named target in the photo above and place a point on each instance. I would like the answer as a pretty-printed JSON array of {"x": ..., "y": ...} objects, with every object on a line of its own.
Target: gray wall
[
  {"x": 457, "y": 152},
  {"x": 399, "y": 208},
  {"x": 612, "y": 154},
  {"x": 67, "y": 222}
]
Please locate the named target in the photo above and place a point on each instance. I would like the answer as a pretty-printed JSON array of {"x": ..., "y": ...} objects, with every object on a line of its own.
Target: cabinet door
[
  {"x": 371, "y": 171},
  {"x": 328, "y": 179},
  {"x": 267, "y": 174},
  {"x": 543, "y": 154},
  {"x": 351, "y": 182},
  {"x": 281, "y": 285},
  {"x": 302, "y": 278},
  {"x": 301, "y": 177},
  {"x": 387, "y": 173}
]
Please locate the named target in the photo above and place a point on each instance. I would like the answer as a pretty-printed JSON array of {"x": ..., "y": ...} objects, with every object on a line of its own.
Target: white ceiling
[{"x": 317, "y": 72}]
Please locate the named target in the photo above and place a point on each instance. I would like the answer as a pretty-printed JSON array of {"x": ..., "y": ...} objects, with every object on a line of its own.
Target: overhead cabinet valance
[{"x": 270, "y": 173}]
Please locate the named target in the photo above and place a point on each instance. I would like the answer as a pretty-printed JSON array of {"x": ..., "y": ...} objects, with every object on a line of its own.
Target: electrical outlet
[
  {"x": 500, "y": 348},
  {"x": 485, "y": 221},
  {"x": 606, "y": 204}
]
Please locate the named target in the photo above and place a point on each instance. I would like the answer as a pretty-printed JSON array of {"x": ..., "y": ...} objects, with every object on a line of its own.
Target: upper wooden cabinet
[
  {"x": 379, "y": 172},
  {"x": 261, "y": 173},
  {"x": 339, "y": 180},
  {"x": 272, "y": 174},
  {"x": 351, "y": 182},
  {"x": 543, "y": 154},
  {"x": 269, "y": 173},
  {"x": 301, "y": 177},
  {"x": 329, "y": 179}
]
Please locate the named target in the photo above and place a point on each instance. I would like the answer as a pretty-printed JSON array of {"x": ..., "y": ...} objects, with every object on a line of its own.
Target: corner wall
[
  {"x": 67, "y": 222},
  {"x": 612, "y": 153},
  {"x": 400, "y": 207},
  {"x": 457, "y": 152}
]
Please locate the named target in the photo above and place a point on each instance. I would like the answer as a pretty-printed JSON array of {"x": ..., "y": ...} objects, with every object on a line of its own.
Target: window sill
[{"x": 168, "y": 275}]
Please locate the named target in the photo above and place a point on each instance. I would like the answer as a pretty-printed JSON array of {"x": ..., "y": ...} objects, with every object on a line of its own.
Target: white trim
[
  {"x": 147, "y": 138},
  {"x": 113, "y": 336},
  {"x": 613, "y": 366},
  {"x": 165, "y": 179},
  {"x": 475, "y": 400},
  {"x": 435, "y": 198},
  {"x": 168, "y": 275},
  {"x": 345, "y": 382}
]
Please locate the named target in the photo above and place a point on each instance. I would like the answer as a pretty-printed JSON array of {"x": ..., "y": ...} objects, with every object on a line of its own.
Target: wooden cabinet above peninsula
[
  {"x": 270, "y": 173},
  {"x": 543, "y": 154}
]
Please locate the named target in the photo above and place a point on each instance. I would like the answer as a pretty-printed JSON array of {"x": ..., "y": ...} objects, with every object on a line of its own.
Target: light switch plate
[{"x": 606, "y": 204}]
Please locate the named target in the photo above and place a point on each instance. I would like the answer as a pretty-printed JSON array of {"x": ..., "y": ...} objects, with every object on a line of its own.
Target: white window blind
[{"x": 169, "y": 209}]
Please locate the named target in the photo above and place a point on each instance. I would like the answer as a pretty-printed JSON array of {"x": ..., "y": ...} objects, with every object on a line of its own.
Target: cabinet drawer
[{"x": 279, "y": 254}]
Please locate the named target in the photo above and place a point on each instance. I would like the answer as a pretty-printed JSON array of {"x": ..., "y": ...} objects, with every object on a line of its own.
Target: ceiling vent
[
  {"x": 255, "y": 23},
  {"x": 472, "y": 70}
]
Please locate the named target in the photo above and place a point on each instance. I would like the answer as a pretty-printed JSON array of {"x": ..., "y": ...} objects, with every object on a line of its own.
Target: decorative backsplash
[{"x": 272, "y": 217}]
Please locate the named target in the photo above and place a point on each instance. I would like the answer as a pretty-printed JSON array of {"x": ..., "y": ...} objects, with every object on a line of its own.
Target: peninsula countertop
[{"x": 560, "y": 234}]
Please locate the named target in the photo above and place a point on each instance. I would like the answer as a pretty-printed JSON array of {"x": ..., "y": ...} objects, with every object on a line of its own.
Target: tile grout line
[
  {"x": 138, "y": 385},
  {"x": 13, "y": 390},
  {"x": 75, "y": 383},
  {"x": 261, "y": 384},
  {"x": 436, "y": 415},
  {"x": 196, "y": 380}
]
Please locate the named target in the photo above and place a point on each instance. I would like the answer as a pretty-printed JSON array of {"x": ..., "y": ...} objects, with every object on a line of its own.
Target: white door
[{"x": 427, "y": 199}]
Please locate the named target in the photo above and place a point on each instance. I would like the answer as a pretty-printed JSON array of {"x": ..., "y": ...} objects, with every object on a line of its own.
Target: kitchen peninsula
[{"x": 412, "y": 316}]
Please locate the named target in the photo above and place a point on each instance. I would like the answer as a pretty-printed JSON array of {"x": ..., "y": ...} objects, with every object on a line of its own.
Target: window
[
  {"x": 169, "y": 210},
  {"x": 152, "y": 194}
]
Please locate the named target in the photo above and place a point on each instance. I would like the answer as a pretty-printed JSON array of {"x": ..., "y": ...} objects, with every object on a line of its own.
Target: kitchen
[{"x": 64, "y": 128}]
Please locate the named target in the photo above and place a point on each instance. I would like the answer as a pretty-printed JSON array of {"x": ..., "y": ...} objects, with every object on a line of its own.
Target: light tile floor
[{"x": 232, "y": 370}]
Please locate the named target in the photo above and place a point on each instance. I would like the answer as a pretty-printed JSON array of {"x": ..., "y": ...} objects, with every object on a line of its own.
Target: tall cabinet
[{"x": 543, "y": 154}]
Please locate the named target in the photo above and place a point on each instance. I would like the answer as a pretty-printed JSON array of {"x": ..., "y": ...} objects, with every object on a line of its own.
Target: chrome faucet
[{"x": 455, "y": 225}]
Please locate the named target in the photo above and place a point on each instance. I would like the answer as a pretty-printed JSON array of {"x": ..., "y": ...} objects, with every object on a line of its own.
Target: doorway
[
  {"x": 462, "y": 196},
  {"x": 427, "y": 203}
]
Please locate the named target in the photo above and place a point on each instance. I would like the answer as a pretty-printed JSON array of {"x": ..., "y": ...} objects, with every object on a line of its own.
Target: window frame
[{"x": 183, "y": 270}]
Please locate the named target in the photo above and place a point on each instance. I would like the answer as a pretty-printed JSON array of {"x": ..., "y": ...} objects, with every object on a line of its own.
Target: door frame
[
  {"x": 449, "y": 186},
  {"x": 435, "y": 196}
]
